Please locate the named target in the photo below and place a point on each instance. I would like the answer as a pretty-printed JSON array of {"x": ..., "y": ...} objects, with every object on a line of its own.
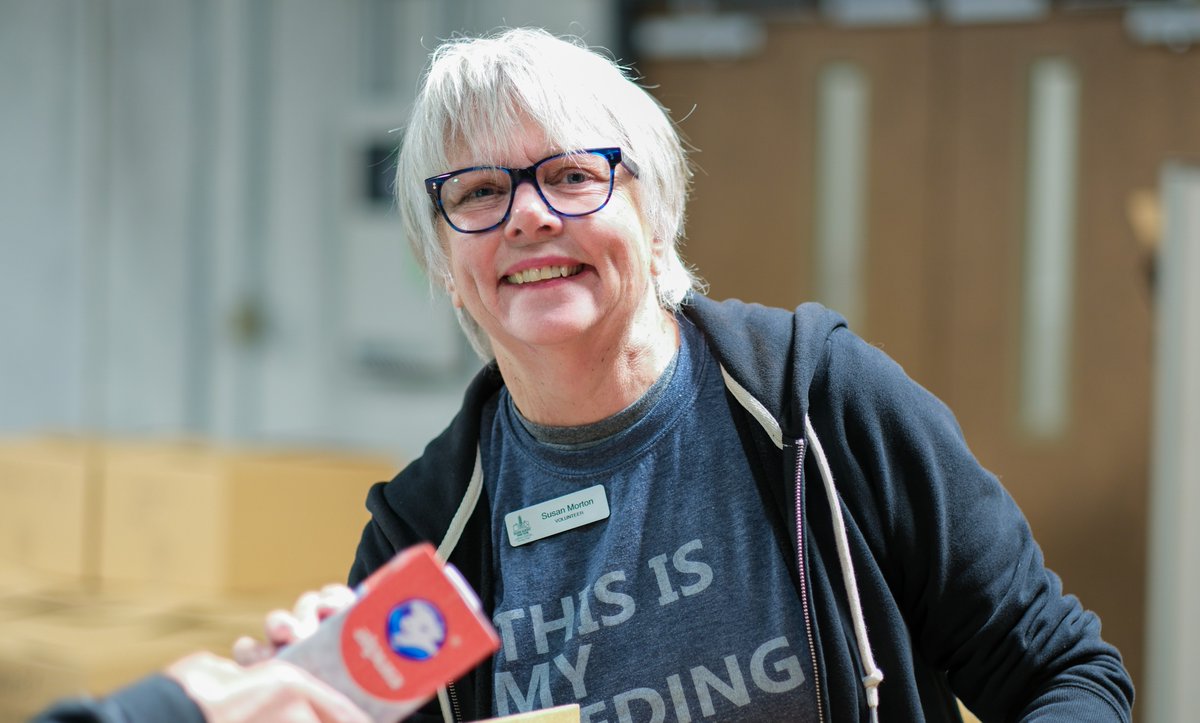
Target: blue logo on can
[{"x": 416, "y": 629}]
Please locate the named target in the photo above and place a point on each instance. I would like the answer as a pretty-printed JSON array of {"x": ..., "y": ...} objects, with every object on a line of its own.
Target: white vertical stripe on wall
[
  {"x": 1173, "y": 597},
  {"x": 843, "y": 104},
  {"x": 1047, "y": 314}
]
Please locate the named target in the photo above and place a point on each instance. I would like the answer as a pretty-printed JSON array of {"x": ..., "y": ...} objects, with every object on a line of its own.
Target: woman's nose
[{"x": 530, "y": 215}]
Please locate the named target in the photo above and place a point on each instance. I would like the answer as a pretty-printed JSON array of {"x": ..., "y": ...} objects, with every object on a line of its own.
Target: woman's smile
[{"x": 539, "y": 274}]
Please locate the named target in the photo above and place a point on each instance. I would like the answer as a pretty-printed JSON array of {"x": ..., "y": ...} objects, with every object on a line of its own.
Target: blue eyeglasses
[{"x": 480, "y": 198}]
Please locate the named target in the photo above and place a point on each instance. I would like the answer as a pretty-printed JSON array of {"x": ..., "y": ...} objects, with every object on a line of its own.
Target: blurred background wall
[
  {"x": 197, "y": 239},
  {"x": 202, "y": 223}
]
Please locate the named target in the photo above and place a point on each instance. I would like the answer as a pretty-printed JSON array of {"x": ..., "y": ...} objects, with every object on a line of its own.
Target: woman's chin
[
  {"x": 548, "y": 329},
  {"x": 552, "y": 336}
]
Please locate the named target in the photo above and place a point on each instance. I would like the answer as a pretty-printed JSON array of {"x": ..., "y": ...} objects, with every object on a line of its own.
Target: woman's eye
[
  {"x": 568, "y": 177},
  {"x": 486, "y": 193},
  {"x": 482, "y": 192}
]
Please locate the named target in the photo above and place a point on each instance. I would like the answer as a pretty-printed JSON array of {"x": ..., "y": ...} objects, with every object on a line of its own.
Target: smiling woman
[
  {"x": 673, "y": 504},
  {"x": 551, "y": 210},
  {"x": 565, "y": 99},
  {"x": 553, "y": 266}
]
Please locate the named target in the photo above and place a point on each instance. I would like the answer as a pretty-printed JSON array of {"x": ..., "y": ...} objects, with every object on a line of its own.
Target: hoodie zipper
[
  {"x": 454, "y": 702},
  {"x": 800, "y": 564}
]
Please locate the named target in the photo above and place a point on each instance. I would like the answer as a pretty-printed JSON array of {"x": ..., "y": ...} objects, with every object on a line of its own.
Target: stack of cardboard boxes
[{"x": 118, "y": 557}]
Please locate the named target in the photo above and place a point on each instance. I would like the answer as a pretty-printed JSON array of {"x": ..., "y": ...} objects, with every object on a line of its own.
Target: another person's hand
[
  {"x": 283, "y": 627},
  {"x": 268, "y": 692}
]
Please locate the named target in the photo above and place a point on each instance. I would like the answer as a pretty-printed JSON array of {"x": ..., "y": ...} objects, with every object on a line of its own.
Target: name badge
[{"x": 557, "y": 515}]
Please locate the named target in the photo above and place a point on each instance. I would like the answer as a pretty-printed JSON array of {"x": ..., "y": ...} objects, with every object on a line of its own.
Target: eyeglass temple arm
[{"x": 630, "y": 165}]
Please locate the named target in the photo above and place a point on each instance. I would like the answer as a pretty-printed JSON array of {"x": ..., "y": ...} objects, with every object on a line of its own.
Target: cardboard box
[
  {"x": 49, "y": 516},
  {"x": 90, "y": 647},
  {"x": 223, "y": 620},
  {"x": 15, "y": 581},
  {"x": 54, "y": 645},
  {"x": 18, "y": 607},
  {"x": 194, "y": 519}
]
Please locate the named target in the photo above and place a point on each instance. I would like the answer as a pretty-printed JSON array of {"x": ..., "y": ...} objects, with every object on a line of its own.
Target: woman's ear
[
  {"x": 658, "y": 256},
  {"x": 445, "y": 279},
  {"x": 455, "y": 299}
]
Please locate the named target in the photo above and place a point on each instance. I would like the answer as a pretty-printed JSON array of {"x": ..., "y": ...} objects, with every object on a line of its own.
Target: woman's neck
[{"x": 585, "y": 382}]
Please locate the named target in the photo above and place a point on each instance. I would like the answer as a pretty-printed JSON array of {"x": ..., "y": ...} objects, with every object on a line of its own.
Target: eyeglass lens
[{"x": 572, "y": 185}]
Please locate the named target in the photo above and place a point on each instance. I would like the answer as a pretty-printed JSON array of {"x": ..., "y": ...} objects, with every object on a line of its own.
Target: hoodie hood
[{"x": 781, "y": 351}]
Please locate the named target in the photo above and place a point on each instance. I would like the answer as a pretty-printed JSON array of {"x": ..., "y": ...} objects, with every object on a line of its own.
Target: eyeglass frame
[{"x": 614, "y": 156}]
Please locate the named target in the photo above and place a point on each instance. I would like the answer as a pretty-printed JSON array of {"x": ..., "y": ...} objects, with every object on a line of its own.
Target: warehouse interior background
[{"x": 198, "y": 250}]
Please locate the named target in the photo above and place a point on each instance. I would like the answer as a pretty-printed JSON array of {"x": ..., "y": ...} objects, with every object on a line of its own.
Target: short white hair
[{"x": 476, "y": 94}]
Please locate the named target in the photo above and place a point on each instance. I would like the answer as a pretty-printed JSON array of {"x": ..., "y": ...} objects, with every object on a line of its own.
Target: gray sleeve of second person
[{"x": 154, "y": 699}]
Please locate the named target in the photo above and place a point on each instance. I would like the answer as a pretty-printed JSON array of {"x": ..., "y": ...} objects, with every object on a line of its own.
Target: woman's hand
[
  {"x": 283, "y": 627},
  {"x": 269, "y": 692}
]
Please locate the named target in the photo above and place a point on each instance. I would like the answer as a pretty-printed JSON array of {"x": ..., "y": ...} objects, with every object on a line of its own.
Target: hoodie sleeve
[
  {"x": 150, "y": 700},
  {"x": 956, "y": 552}
]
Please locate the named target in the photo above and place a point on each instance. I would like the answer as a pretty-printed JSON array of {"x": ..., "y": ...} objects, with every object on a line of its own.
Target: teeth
[{"x": 544, "y": 273}]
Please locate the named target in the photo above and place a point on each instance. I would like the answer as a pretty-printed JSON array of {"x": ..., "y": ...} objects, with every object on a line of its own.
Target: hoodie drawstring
[{"x": 874, "y": 675}]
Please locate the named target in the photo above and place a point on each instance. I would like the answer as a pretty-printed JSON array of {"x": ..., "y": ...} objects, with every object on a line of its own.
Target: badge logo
[
  {"x": 416, "y": 630},
  {"x": 521, "y": 529}
]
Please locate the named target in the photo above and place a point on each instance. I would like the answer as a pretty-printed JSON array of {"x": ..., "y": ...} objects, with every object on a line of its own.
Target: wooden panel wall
[
  {"x": 945, "y": 231},
  {"x": 751, "y": 221}
]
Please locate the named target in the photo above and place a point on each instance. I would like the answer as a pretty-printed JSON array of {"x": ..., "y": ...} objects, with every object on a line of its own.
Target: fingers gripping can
[{"x": 415, "y": 627}]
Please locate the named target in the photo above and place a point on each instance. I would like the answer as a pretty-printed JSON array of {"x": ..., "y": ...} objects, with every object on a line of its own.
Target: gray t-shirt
[{"x": 678, "y": 606}]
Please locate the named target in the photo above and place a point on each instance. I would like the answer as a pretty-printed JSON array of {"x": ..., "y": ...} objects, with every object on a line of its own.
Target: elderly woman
[{"x": 675, "y": 508}]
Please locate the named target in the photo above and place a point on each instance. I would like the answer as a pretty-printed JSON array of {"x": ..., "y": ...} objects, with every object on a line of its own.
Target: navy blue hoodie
[
  {"x": 954, "y": 593},
  {"x": 953, "y": 590}
]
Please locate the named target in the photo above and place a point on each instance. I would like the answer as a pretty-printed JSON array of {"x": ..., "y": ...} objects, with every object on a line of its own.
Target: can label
[{"x": 414, "y": 628}]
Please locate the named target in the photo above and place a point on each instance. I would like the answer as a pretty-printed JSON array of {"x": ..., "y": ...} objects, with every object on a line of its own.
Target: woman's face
[{"x": 609, "y": 256}]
